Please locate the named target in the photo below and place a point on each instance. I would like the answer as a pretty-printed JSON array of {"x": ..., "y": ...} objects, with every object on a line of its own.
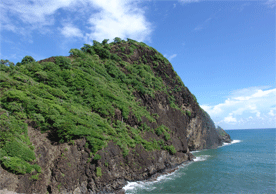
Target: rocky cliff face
[{"x": 179, "y": 126}]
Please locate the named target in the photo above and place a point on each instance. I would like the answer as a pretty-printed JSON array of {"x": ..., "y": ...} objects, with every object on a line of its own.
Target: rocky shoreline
[{"x": 169, "y": 170}]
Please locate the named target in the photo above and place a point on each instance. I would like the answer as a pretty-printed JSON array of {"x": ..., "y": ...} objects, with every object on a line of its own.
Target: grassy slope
[{"x": 76, "y": 97}]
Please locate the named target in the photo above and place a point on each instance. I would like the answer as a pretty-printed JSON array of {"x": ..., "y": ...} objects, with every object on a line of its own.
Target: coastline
[
  {"x": 171, "y": 170},
  {"x": 154, "y": 177}
]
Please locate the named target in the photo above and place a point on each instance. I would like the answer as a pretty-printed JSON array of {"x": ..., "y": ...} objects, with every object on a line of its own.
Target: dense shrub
[
  {"x": 98, "y": 172},
  {"x": 63, "y": 62},
  {"x": 170, "y": 148}
]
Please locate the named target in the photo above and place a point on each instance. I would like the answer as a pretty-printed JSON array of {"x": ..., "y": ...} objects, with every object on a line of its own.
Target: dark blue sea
[{"x": 247, "y": 165}]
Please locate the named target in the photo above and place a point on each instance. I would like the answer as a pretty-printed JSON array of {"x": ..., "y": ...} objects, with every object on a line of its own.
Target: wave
[
  {"x": 232, "y": 142},
  {"x": 131, "y": 187},
  {"x": 201, "y": 158},
  {"x": 135, "y": 185}
]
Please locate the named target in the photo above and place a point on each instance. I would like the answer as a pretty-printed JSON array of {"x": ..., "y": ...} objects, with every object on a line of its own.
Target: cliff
[{"x": 107, "y": 114}]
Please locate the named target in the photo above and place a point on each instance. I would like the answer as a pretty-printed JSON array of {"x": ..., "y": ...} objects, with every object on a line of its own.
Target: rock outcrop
[
  {"x": 223, "y": 136},
  {"x": 73, "y": 166}
]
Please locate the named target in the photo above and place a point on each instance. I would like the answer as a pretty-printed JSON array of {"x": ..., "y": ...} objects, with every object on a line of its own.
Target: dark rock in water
[
  {"x": 223, "y": 135},
  {"x": 125, "y": 142}
]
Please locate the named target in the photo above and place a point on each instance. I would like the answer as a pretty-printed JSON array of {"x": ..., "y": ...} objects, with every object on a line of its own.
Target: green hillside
[{"x": 79, "y": 96}]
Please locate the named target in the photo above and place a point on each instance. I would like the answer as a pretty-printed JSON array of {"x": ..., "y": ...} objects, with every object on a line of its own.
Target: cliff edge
[{"x": 89, "y": 122}]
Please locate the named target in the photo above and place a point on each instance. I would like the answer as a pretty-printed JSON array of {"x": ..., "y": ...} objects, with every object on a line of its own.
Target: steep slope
[{"x": 107, "y": 114}]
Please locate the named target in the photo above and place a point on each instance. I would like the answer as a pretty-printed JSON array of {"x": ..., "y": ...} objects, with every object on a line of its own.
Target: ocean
[{"x": 247, "y": 165}]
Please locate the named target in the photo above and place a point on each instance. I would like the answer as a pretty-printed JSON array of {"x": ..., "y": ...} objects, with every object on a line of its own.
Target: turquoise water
[{"x": 245, "y": 166}]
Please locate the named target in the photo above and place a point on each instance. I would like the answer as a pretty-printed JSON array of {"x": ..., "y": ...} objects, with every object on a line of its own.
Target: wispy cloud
[
  {"x": 244, "y": 106},
  {"x": 34, "y": 12},
  {"x": 100, "y": 18},
  {"x": 271, "y": 3},
  {"x": 244, "y": 5},
  {"x": 189, "y": 1},
  {"x": 170, "y": 57},
  {"x": 207, "y": 22},
  {"x": 203, "y": 25}
]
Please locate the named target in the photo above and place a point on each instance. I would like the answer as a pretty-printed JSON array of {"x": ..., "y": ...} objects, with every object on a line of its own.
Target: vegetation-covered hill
[{"x": 123, "y": 94}]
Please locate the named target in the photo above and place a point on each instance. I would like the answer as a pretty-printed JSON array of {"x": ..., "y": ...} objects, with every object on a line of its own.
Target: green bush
[
  {"x": 167, "y": 136},
  {"x": 98, "y": 172},
  {"x": 115, "y": 57},
  {"x": 16, "y": 165},
  {"x": 188, "y": 113},
  {"x": 35, "y": 177},
  {"x": 97, "y": 157},
  {"x": 159, "y": 131},
  {"x": 77, "y": 53},
  {"x": 63, "y": 62},
  {"x": 170, "y": 148},
  {"x": 16, "y": 148}
]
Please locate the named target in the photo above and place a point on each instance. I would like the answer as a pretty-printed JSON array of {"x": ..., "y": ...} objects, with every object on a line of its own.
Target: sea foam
[
  {"x": 232, "y": 142},
  {"x": 201, "y": 158},
  {"x": 147, "y": 185},
  {"x": 131, "y": 187},
  {"x": 136, "y": 185}
]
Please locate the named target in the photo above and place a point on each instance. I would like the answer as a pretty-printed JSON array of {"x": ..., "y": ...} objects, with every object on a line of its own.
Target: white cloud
[
  {"x": 271, "y": 113},
  {"x": 71, "y": 31},
  {"x": 230, "y": 119},
  {"x": 118, "y": 18},
  {"x": 100, "y": 18},
  {"x": 245, "y": 105}
]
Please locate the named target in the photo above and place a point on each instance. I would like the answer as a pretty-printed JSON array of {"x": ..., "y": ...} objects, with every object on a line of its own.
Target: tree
[
  {"x": 6, "y": 62},
  {"x": 27, "y": 59},
  {"x": 96, "y": 43},
  {"x": 117, "y": 40},
  {"x": 131, "y": 41},
  {"x": 88, "y": 49},
  {"x": 105, "y": 41}
]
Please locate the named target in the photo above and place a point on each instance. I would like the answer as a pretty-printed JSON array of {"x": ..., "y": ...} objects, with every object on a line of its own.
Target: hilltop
[{"x": 89, "y": 122}]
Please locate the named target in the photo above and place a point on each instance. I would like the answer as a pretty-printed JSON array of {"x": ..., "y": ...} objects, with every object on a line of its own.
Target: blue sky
[{"x": 224, "y": 51}]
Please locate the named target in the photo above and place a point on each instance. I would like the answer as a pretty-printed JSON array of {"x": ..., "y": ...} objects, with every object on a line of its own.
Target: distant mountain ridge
[{"x": 87, "y": 123}]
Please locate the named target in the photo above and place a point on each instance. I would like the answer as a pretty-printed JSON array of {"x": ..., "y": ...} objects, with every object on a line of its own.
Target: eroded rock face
[
  {"x": 223, "y": 135},
  {"x": 71, "y": 169}
]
